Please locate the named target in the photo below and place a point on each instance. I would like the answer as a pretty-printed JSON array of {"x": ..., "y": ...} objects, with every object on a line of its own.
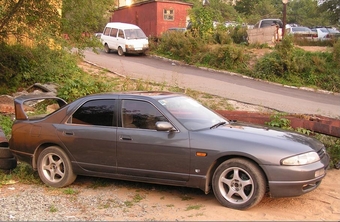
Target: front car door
[{"x": 146, "y": 153}]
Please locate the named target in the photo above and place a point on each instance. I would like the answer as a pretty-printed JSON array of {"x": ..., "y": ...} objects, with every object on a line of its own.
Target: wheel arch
[
  {"x": 40, "y": 149},
  {"x": 219, "y": 161}
]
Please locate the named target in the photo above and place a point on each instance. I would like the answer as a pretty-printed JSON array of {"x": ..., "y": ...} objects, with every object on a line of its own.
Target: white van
[{"x": 124, "y": 38}]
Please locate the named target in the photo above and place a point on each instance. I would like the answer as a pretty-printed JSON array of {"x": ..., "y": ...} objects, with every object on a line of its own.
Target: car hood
[{"x": 267, "y": 145}]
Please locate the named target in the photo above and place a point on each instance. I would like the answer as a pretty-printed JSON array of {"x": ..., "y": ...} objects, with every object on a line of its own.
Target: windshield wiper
[{"x": 218, "y": 124}]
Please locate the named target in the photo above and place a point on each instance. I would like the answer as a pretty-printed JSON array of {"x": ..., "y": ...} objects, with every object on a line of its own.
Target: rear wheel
[
  {"x": 106, "y": 48},
  {"x": 54, "y": 167},
  {"x": 120, "y": 51},
  {"x": 239, "y": 184}
]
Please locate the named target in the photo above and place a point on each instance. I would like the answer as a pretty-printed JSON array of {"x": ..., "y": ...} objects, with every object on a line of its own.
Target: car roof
[{"x": 121, "y": 25}]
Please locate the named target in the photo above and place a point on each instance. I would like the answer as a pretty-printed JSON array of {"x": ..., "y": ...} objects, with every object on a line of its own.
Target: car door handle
[
  {"x": 125, "y": 138},
  {"x": 69, "y": 133}
]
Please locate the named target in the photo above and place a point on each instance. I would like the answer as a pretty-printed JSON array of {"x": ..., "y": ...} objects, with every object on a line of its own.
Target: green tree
[
  {"x": 332, "y": 7},
  {"x": 201, "y": 19},
  {"x": 29, "y": 20},
  {"x": 306, "y": 13},
  {"x": 82, "y": 18}
]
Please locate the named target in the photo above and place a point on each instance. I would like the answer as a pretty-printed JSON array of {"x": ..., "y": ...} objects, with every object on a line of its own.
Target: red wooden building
[{"x": 154, "y": 16}]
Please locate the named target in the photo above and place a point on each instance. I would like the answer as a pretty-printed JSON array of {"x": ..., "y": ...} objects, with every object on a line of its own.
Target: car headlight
[{"x": 301, "y": 159}]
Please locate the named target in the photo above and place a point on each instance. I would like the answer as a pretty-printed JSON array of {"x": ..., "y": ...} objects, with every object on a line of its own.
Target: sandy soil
[{"x": 113, "y": 200}]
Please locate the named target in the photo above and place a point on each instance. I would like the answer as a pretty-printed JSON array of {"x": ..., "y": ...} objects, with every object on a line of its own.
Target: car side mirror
[{"x": 164, "y": 126}]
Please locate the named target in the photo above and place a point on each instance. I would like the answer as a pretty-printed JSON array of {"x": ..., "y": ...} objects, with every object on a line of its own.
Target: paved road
[{"x": 230, "y": 86}]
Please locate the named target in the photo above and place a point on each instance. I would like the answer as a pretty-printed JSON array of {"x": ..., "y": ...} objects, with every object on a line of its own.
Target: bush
[
  {"x": 22, "y": 66},
  {"x": 291, "y": 65}
]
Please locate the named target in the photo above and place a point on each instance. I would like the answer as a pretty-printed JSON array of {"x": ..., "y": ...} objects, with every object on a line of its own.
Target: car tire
[
  {"x": 8, "y": 163},
  {"x": 106, "y": 48},
  {"x": 120, "y": 51},
  {"x": 239, "y": 184},
  {"x": 54, "y": 167},
  {"x": 5, "y": 153}
]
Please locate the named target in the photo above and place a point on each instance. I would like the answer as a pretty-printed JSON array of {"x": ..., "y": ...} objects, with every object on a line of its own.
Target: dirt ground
[{"x": 113, "y": 200}]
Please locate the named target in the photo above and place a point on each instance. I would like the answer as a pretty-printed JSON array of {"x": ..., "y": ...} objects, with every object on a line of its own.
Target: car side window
[
  {"x": 96, "y": 112},
  {"x": 121, "y": 33},
  {"x": 140, "y": 114},
  {"x": 107, "y": 31},
  {"x": 114, "y": 32}
]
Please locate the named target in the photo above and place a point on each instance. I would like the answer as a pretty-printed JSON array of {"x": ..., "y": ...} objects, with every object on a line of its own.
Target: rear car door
[
  {"x": 90, "y": 135},
  {"x": 144, "y": 152}
]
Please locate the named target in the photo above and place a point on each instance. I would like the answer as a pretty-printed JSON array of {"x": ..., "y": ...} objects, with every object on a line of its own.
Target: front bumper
[
  {"x": 289, "y": 181},
  {"x": 136, "y": 51}
]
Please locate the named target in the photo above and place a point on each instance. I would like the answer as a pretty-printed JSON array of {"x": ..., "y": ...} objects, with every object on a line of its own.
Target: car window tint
[
  {"x": 113, "y": 32},
  {"x": 121, "y": 33},
  {"x": 96, "y": 112},
  {"x": 140, "y": 114},
  {"x": 107, "y": 31}
]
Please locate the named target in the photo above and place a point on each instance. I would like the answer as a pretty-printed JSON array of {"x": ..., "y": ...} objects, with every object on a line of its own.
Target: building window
[{"x": 168, "y": 14}]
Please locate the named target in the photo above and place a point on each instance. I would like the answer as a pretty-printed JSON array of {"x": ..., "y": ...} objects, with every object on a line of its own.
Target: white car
[{"x": 327, "y": 33}]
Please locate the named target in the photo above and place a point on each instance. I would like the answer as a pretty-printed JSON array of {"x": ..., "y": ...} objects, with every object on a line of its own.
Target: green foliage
[
  {"x": 31, "y": 21},
  {"x": 291, "y": 65},
  {"x": 179, "y": 45},
  {"x": 22, "y": 66},
  {"x": 6, "y": 125},
  {"x": 332, "y": 145},
  {"x": 80, "y": 85},
  {"x": 82, "y": 18},
  {"x": 202, "y": 21},
  {"x": 277, "y": 120},
  {"x": 22, "y": 173}
]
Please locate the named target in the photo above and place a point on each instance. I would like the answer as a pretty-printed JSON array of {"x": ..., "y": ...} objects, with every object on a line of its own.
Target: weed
[
  {"x": 170, "y": 205},
  {"x": 70, "y": 191},
  {"x": 276, "y": 120},
  {"x": 137, "y": 198},
  {"x": 53, "y": 208},
  {"x": 186, "y": 197},
  {"x": 194, "y": 207},
  {"x": 128, "y": 203},
  {"x": 23, "y": 173}
]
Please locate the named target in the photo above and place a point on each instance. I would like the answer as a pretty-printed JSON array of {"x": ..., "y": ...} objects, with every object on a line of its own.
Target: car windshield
[
  {"x": 134, "y": 34},
  {"x": 192, "y": 114}
]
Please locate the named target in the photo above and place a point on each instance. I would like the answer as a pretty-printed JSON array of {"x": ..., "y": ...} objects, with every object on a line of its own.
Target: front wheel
[
  {"x": 120, "y": 51},
  {"x": 54, "y": 167},
  {"x": 239, "y": 184}
]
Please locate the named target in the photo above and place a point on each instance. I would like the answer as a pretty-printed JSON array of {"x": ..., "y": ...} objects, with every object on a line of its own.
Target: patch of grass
[
  {"x": 128, "y": 203},
  {"x": 53, "y": 208},
  {"x": 137, "y": 198},
  {"x": 70, "y": 191},
  {"x": 170, "y": 205},
  {"x": 186, "y": 197},
  {"x": 193, "y": 207},
  {"x": 22, "y": 173}
]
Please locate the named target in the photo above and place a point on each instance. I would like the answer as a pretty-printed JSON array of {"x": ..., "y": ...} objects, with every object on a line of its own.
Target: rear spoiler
[{"x": 20, "y": 113}]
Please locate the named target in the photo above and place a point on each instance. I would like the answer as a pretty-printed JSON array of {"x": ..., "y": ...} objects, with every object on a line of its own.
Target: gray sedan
[{"x": 164, "y": 138}]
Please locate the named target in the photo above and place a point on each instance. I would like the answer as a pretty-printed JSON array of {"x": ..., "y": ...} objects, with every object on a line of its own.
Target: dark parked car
[{"x": 165, "y": 138}]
